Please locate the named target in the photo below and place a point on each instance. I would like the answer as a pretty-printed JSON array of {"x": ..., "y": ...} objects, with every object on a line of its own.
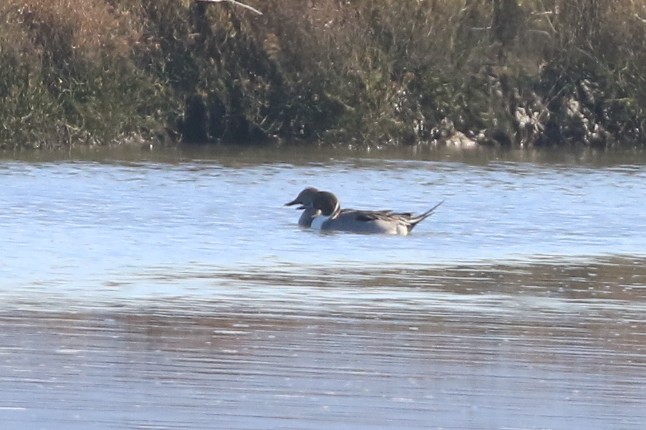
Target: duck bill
[{"x": 296, "y": 202}]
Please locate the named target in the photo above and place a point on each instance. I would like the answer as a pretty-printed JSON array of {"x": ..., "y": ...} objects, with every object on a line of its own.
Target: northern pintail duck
[
  {"x": 305, "y": 200},
  {"x": 322, "y": 211}
]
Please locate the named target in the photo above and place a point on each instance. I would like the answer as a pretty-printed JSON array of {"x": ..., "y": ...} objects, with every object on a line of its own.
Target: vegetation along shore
[{"x": 361, "y": 72}]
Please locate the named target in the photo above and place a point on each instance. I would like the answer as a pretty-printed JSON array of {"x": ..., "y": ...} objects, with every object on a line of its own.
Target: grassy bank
[{"x": 365, "y": 72}]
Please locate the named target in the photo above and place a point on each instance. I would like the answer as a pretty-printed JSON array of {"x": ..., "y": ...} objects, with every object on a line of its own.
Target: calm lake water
[{"x": 171, "y": 289}]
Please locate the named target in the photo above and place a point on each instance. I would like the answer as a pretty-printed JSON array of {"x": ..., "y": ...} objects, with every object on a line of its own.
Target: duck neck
[
  {"x": 335, "y": 211},
  {"x": 308, "y": 216},
  {"x": 319, "y": 221}
]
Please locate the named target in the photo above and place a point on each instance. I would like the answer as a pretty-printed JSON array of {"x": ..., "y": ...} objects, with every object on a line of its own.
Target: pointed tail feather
[{"x": 421, "y": 217}]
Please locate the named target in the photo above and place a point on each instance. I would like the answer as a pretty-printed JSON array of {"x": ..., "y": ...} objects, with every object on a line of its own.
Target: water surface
[{"x": 172, "y": 289}]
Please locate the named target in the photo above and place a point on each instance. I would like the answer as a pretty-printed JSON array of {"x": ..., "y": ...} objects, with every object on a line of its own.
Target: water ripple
[{"x": 175, "y": 291}]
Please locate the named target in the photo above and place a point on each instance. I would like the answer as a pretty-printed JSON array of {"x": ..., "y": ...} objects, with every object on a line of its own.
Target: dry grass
[
  {"x": 73, "y": 69},
  {"x": 385, "y": 71},
  {"x": 75, "y": 27}
]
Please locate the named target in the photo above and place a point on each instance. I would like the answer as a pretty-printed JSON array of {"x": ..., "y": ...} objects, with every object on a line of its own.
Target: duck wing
[
  {"x": 367, "y": 216},
  {"x": 407, "y": 218}
]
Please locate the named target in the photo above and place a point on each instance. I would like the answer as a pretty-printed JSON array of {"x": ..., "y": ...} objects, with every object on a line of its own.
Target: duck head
[
  {"x": 327, "y": 203},
  {"x": 305, "y": 198}
]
